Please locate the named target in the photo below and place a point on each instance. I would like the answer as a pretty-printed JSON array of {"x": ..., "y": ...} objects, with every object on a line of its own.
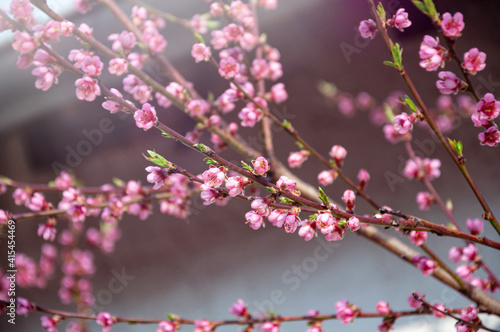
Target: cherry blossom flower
[
  {"x": 278, "y": 93},
  {"x": 367, "y": 29},
  {"x": 269, "y": 4},
  {"x": 349, "y": 198},
  {"x": 285, "y": 183},
  {"x": 200, "y": 52},
  {"x": 488, "y": 108},
  {"x": 4, "y": 217},
  {"x": 157, "y": 175},
  {"x": 464, "y": 271},
  {"x": 475, "y": 226},
  {"x": 24, "y": 306},
  {"x": 490, "y": 137},
  {"x": 87, "y": 88},
  {"x": 338, "y": 153},
  {"x": 399, "y": 20},
  {"x": 307, "y": 230},
  {"x": 228, "y": 67},
  {"x": 166, "y": 326},
  {"x": 363, "y": 178},
  {"x": 49, "y": 323},
  {"x": 414, "y": 302},
  {"x": 469, "y": 253},
  {"x": 439, "y": 314},
  {"x": 202, "y": 325},
  {"x": 424, "y": 264},
  {"x": 239, "y": 308},
  {"x": 45, "y": 231},
  {"x": 45, "y": 77},
  {"x": 433, "y": 55},
  {"x": 383, "y": 308},
  {"x": 199, "y": 23},
  {"x": 452, "y": 26},
  {"x": 145, "y": 118},
  {"x": 83, "y": 6},
  {"x": 214, "y": 176},
  {"x": 118, "y": 66},
  {"x": 20, "y": 196},
  {"x": 474, "y": 61},
  {"x": 345, "y": 311},
  {"x": 270, "y": 327},
  {"x": 418, "y": 238},
  {"x": 449, "y": 83},
  {"x": 261, "y": 166},
  {"x": 23, "y": 43},
  {"x": 91, "y": 65},
  {"x": 296, "y": 159},
  {"x": 424, "y": 200},
  {"x": 261, "y": 206},
  {"x": 123, "y": 42},
  {"x": 327, "y": 177},
  {"x": 67, "y": 28},
  {"x": 106, "y": 320}
]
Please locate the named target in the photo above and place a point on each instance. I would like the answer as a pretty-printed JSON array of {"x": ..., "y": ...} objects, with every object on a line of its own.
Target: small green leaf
[
  {"x": 333, "y": 163},
  {"x": 421, "y": 6},
  {"x": 299, "y": 144},
  {"x": 286, "y": 124},
  {"x": 52, "y": 184},
  {"x": 172, "y": 316},
  {"x": 322, "y": 196},
  {"x": 165, "y": 134},
  {"x": 397, "y": 55},
  {"x": 431, "y": 9},
  {"x": 198, "y": 38},
  {"x": 118, "y": 182},
  {"x": 381, "y": 12},
  {"x": 201, "y": 147},
  {"x": 271, "y": 190},
  {"x": 343, "y": 222},
  {"x": 390, "y": 63},
  {"x": 286, "y": 200},
  {"x": 210, "y": 161},
  {"x": 313, "y": 217},
  {"x": 158, "y": 159},
  {"x": 246, "y": 167},
  {"x": 389, "y": 114},
  {"x": 327, "y": 89},
  {"x": 458, "y": 147},
  {"x": 410, "y": 104}
]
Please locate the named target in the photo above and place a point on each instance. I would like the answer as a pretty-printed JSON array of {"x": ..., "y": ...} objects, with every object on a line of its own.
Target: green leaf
[
  {"x": 389, "y": 114},
  {"x": 313, "y": 217},
  {"x": 172, "y": 316},
  {"x": 322, "y": 196},
  {"x": 458, "y": 147},
  {"x": 431, "y": 9},
  {"x": 246, "y": 167},
  {"x": 410, "y": 103},
  {"x": 52, "y": 184},
  {"x": 118, "y": 182},
  {"x": 158, "y": 159},
  {"x": 287, "y": 124},
  {"x": 333, "y": 163},
  {"x": 198, "y": 38},
  {"x": 165, "y": 134},
  {"x": 421, "y": 6},
  {"x": 286, "y": 200},
  {"x": 210, "y": 161},
  {"x": 299, "y": 144},
  {"x": 201, "y": 147},
  {"x": 343, "y": 222},
  {"x": 390, "y": 63},
  {"x": 381, "y": 12},
  {"x": 397, "y": 55},
  {"x": 271, "y": 190},
  {"x": 327, "y": 89}
]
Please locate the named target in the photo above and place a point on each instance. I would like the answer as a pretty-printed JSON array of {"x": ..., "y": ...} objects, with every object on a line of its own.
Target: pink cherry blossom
[
  {"x": 367, "y": 29},
  {"x": 490, "y": 137},
  {"x": 270, "y": 327},
  {"x": 20, "y": 196},
  {"x": 349, "y": 198},
  {"x": 474, "y": 61},
  {"x": 469, "y": 253},
  {"x": 338, "y": 153},
  {"x": 198, "y": 107},
  {"x": 77, "y": 212},
  {"x": 455, "y": 254},
  {"x": 414, "y": 302},
  {"x": 146, "y": 118},
  {"x": 269, "y": 4},
  {"x": 400, "y": 20},
  {"x": 488, "y": 108},
  {"x": 236, "y": 185},
  {"x": 278, "y": 93},
  {"x": 353, "y": 224},
  {"x": 403, "y": 123},
  {"x": 87, "y": 88},
  {"x": 275, "y": 70},
  {"x": 250, "y": 115},
  {"x": 296, "y": 159},
  {"x": 383, "y": 308},
  {"x": 464, "y": 271},
  {"x": 291, "y": 221},
  {"x": 23, "y": 43},
  {"x": 345, "y": 311},
  {"x": 49, "y": 323},
  {"x": 439, "y": 314},
  {"x": 452, "y": 26},
  {"x": 4, "y": 217},
  {"x": 106, "y": 320},
  {"x": 214, "y": 176},
  {"x": 285, "y": 183},
  {"x": 363, "y": 178},
  {"x": 475, "y": 226},
  {"x": 67, "y": 28},
  {"x": 261, "y": 166},
  {"x": 327, "y": 177},
  {"x": 166, "y": 326},
  {"x": 449, "y": 83},
  {"x": 118, "y": 66},
  {"x": 37, "y": 202},
  {"x": 418, "y": 238},
  {"x": 157, "y": 175},
  {"x": 113, "y": 106},
  {"x": 307, "y": 230},
  {"x": 45, "y": 77},
  {"x": 123, "y": 42},
  {"x": 51, "y": 31},
  {"x": 391, "y": 134},
  {"x": 424, "y": 200},
  {"x": 239, "y": 308},
  {"x": 260, "y": 69},
  {"x": 216, "y": 9},
  {"x": 45, "y": 231},
  {"x": 21, "y": 9},
  {"x": 91, "y": 65},
  {"x": 261, "y": 206},
  {"x": 200, "y": 52},
  {"x": 228, "y": 67},
  {"x": 239, "y": 10},
  {"x": 424, "y": 264}
]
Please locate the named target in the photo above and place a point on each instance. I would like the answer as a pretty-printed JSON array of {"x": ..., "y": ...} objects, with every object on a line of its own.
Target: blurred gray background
[{"x": 198, "y": 268}]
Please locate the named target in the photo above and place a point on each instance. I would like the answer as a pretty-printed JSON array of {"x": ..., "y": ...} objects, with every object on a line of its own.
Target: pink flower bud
[
  {"x": 353, "y": 224},
  {"x": 475, "y": 226},
  {"x": 383, "y": 308},
  {"x": 418, "y": 238},
  {"x": 349, "y": 199},
  {"x": 363, "y": 178},
  {"x": 327, "y": 177},
  {"x": 338, "y": 153},
  {"x": 367, "y": 29},
  {"x": 261, "y": 166}
]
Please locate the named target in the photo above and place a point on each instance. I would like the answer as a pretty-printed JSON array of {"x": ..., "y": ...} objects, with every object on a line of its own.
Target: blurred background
[{"x": 198, "y": 267}]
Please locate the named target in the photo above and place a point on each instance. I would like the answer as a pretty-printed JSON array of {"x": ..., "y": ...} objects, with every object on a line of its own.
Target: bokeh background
[{"x": 198, "y": 267}]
